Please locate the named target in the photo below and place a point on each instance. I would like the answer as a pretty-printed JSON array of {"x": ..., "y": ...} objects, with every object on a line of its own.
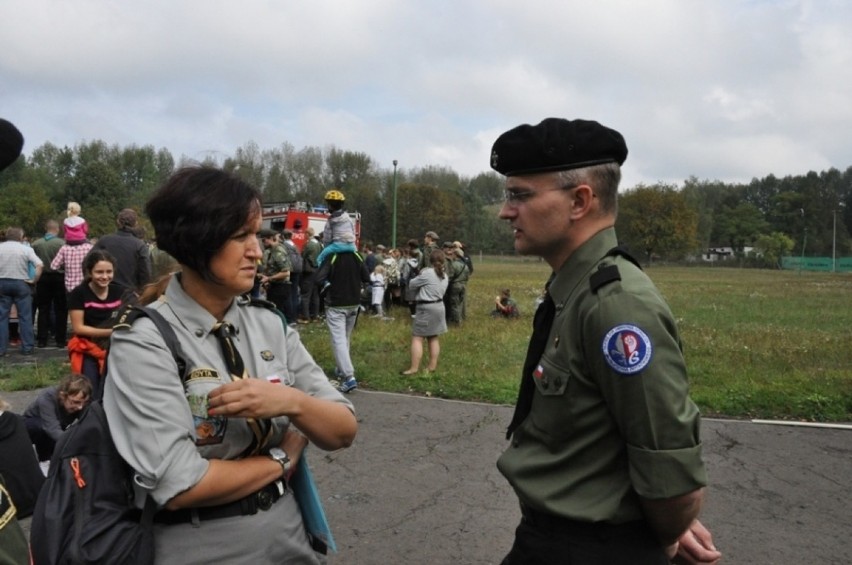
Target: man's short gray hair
[
  {"x": 603, "y": 179},
  {"x": 14, "y": 234}
]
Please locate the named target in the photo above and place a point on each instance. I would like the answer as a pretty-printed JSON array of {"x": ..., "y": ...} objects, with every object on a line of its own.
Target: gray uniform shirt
[
  {"x": 161, "y": 428},
  {"x": 428, "y": 286}
]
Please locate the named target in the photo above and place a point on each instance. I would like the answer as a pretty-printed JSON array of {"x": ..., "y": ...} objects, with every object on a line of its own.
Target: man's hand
[{"x": 695, "y": 547}]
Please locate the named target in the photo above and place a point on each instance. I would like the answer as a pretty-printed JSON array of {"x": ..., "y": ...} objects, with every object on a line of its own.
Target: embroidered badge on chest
[
  {"x": 209, "y": 430},
  {"x": 627, "y": 349}
]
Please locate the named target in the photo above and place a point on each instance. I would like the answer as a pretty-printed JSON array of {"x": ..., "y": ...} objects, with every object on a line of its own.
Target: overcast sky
[{"x": 719, "y": 89}]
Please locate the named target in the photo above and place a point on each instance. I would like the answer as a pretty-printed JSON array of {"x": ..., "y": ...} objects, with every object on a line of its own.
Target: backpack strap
[
  {"x": 609, "y": 273},
  {"x": 132, "y": 312}
]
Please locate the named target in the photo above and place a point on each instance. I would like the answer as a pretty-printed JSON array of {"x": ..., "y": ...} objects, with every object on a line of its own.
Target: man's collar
[{"x": 579, "y": 265}]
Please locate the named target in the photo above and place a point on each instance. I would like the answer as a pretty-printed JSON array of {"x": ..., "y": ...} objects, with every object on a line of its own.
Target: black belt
[
  {"x": 429, "y": 301},
  {"x": 552, "y": 522},
  {"x": 260, "y": 500}
]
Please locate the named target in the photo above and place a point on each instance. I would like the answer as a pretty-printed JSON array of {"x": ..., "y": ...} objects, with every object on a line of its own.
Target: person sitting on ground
[
  {"x": 75, "y": 226},
  {"x": 91, "y": 307},
  {"x": 54, "y": 410},
  {"x": 505, "y": 307}
]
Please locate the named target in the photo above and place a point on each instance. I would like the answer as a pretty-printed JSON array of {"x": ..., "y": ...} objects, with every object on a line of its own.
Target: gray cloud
[{"x": 726, "y": 90}]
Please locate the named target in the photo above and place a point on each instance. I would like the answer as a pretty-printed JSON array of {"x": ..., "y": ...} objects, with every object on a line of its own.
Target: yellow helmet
[{"x": 334, "y": 194}]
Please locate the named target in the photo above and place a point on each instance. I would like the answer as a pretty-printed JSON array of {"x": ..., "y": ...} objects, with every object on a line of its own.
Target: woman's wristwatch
[{"x": 279, "y": 455}]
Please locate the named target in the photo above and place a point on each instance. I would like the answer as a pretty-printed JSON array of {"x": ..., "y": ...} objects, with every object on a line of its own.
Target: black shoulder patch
[
  {"x": 261, "y": 302},
  {"x": 603, "y": 276},
  {"x": 128, "y": 314}
]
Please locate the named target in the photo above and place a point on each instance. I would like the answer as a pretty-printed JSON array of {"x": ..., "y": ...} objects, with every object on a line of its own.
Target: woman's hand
[
  {"x": 252, "y": 398},
  {"x": 328, "y": 425},
  {"x": 293, "y": 444}
]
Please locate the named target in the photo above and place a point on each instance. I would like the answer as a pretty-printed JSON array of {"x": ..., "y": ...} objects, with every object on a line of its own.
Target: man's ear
[{"x": 582, "y": 201}]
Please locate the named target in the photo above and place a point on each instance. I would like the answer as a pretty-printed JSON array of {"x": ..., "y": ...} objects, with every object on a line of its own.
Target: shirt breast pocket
[{"x": 551, "y": 413}]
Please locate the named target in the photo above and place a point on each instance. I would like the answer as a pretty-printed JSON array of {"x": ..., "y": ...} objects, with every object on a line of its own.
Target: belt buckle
[{"x": 264, "y": 499}]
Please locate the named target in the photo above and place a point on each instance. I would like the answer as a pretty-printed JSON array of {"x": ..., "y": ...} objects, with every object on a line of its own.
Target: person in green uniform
[
  {"x": 605, "y": 455},
  {"x": 458, "y": 274},
  {"x": 276, "y": 274},
  {"x": 430, "y": 244}
]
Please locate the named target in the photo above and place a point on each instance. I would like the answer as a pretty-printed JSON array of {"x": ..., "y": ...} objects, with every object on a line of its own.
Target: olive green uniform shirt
[
  {"x": 275, "y": 260},
  {"x": 310, "y": 253},
  {"x": 611, "y": 417},
  {"x": 426, "y": 254}
]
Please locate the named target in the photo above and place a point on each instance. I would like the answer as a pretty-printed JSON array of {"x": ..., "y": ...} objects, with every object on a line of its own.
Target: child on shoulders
[
  {"x": 75, "y": 227},
  {"x": 338, "y": 236}
]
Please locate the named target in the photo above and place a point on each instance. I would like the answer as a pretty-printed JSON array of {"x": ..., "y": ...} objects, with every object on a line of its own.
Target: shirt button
[{"x": 199, "y": 333}]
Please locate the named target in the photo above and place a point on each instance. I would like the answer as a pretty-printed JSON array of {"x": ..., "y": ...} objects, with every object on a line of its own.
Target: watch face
[{"x": 279, "y": 454}]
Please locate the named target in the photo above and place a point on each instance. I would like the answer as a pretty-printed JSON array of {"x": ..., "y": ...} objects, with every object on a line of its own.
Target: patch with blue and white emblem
[{"x": 627, "y": 349}]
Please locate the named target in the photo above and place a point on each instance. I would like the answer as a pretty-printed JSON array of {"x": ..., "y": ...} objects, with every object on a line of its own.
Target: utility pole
[{"x": 393, "y": 224}]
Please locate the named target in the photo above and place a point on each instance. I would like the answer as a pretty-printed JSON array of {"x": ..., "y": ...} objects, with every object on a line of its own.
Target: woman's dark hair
[
  {"x": 94, "y": 257},
  {"x": 197, "y": 211},
  {"x": 437, "y": 260}
]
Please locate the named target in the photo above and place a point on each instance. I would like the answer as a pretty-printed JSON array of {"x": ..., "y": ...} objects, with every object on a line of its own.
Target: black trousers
[
  {"x": 310, "y": 302},
  {"x": 281, "y": 294},
  {"x": 52, "y": 310},
  {"x": 43, "y": 443},
  {"x": 544, "y": 543}
]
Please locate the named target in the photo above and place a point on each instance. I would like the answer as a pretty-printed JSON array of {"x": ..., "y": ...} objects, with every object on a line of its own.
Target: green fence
[{"x": 843, "y": 265}]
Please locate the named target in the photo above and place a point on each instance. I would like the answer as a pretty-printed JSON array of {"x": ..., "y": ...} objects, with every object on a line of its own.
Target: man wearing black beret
[{"x": 605, "y": 455}]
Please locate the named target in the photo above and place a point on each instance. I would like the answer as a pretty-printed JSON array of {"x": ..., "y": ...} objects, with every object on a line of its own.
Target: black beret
[
  {"x": 556, "y": 144},
  {"x": 266, "y": 232},
  {"x": 11, "y": 143}
]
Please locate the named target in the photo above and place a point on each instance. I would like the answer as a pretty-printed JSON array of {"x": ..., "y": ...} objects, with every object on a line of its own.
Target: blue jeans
[
  {"x": 341, "y": 322},
  {"x": 18, "y": 292}
]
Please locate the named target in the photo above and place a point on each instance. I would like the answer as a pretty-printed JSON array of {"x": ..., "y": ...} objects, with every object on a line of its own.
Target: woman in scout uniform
[{"x": 215, "y": 450}]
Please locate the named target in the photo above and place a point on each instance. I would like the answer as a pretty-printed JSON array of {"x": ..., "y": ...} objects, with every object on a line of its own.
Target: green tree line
[{"x": 776, "y": 216}]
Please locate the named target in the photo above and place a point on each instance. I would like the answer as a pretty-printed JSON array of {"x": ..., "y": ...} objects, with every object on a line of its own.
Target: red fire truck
[{"x": 299, "y": 216}]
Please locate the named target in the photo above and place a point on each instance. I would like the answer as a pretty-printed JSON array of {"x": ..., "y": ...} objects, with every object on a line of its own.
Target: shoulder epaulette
[
  {"x": 128, "y": 314},
  {"x": 253, "y": 301},
  {"x": 609, "y": 273},
  {"x": 131, "y": 312},
  {"x": 603, "y": 276}
]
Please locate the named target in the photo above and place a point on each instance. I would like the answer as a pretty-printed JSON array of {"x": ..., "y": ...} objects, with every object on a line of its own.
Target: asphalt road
[{"x": 420, "y": 486}]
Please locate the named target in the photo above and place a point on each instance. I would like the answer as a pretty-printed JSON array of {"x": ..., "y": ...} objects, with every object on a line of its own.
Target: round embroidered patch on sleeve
[{"x": 627, "y": 349}]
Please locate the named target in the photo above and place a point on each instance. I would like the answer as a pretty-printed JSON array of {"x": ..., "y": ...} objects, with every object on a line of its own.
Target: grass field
[{"x": 758, "y": 344}]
